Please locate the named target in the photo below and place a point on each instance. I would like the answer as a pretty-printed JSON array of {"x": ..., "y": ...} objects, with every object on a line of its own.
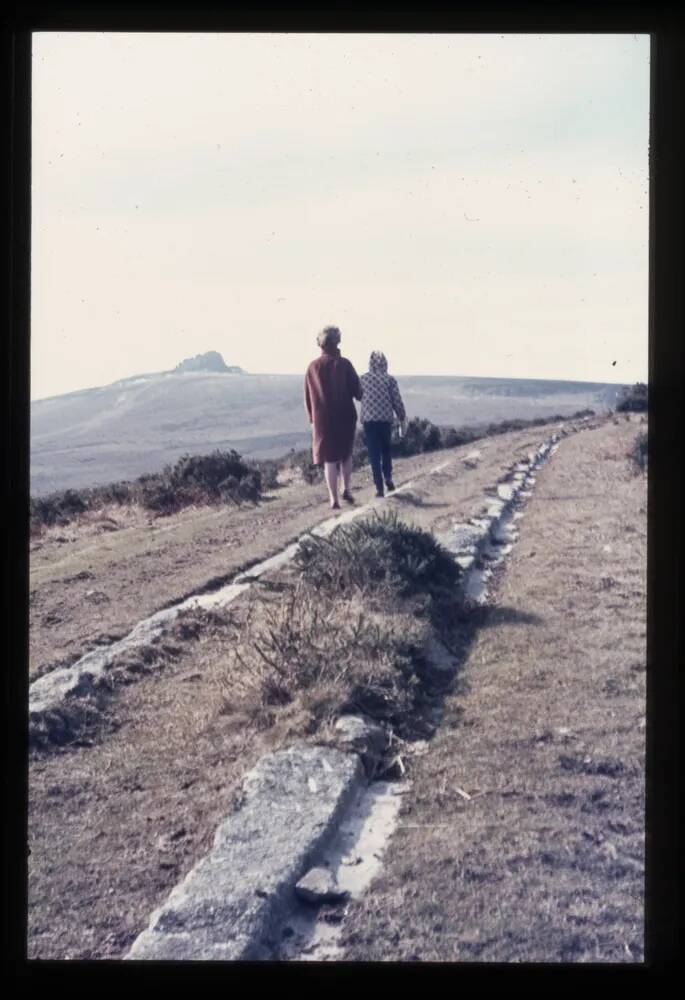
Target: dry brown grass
[
  {"x": 545, "y": 732},
  {"x": 120, "y": 814},
  {"x": 306, "y": 658}
]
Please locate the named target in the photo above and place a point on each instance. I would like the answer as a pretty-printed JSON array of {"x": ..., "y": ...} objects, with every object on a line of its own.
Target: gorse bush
[
  {"x": 268, "y": 469},
  {"x": 421, "y": 435},
  {"x": 57, "y": 508},
  {"x": 634, "y": 399},
  {"x": 220, "y": 477},
  {"x": 332, "y": 655},
  {"x": 207, "y": 473},
  {"x": 378, "y": 551}
]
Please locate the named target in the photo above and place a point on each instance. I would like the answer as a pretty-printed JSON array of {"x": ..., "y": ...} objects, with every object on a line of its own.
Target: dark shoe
[
  {"x": 348, "y": 496},
  {"x": 380, "y": 493},
  {"x": 390, "y": 486},
  {"x": 335, "y": 506}
]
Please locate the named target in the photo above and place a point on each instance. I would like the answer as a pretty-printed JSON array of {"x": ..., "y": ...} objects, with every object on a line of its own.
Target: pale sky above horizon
[{"x": 470, "y": 204}]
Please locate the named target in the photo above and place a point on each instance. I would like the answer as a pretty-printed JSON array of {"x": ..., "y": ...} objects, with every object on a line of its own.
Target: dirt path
[
  {"x": 91, "y": 582},
  {"x": 522, "y": 836},
  {"x": 119, "y": 817}
]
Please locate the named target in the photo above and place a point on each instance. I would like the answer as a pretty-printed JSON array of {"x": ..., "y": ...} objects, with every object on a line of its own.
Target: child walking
[{"x": 380, "y": 399}]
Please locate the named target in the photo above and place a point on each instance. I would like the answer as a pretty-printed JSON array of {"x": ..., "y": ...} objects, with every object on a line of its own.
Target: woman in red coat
[{"x": 330, "y": 386}]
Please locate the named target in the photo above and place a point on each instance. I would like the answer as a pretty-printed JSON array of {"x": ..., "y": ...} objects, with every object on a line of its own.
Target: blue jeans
[{"x": 378, "y": 434}]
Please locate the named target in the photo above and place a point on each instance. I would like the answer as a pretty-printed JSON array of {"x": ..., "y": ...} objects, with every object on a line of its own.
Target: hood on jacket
[{"x": 378, "y": 362}]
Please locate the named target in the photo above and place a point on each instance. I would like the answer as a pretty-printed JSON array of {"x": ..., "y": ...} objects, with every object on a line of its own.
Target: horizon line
[{"x": 494, "y": 378}]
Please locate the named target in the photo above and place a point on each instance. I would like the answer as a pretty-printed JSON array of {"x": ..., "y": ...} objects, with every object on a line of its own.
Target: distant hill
[{"x": 138, "y": 424}]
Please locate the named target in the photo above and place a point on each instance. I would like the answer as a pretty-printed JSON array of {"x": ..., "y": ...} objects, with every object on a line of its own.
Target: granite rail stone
[{"x": 231, "y": 904}]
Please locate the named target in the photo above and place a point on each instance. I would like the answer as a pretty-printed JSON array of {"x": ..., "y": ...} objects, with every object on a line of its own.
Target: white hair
[{"x": 329, "y": 337}]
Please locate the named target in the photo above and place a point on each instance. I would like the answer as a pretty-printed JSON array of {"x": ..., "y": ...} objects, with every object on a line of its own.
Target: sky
[{"x": 469, "y": 204}]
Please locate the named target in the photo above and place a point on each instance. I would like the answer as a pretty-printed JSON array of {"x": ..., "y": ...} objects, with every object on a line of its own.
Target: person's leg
[
  {"x": 386, "y": 456},
  {"x": 346, "y": 475},
  {"x": 373, "y": 447},
  {"x": 330, "y": 471}
]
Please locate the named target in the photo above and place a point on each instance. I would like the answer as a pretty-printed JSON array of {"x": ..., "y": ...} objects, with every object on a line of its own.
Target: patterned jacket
[{"x": 380, "y": 392}]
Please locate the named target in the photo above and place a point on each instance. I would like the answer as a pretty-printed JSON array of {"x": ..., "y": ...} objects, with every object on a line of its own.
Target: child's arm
[{"x": 397, "y": 404}]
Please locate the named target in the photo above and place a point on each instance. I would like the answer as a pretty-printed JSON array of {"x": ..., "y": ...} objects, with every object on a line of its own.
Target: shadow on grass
[
  {"x": 456, "y": 629},
  {"x": 415, "y": 500},
  {"x": 489, "y": 617}
]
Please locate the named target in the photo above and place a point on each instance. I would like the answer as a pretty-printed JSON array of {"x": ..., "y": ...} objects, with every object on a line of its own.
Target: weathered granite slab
[{"x": 231, "y": 904}]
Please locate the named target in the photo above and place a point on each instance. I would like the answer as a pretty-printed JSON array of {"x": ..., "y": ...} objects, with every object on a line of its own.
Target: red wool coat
[{"x": 330, "y": 385}]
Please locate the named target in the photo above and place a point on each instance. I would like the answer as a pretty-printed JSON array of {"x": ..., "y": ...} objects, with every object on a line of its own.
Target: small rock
[
  {"x": 367, "y": 738},
  {"x": 319, "y": 886},
  {"x": 609, "y": 850}
]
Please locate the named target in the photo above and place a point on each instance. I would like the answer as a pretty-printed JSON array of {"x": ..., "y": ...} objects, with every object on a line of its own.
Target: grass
[
  {"x": 79, "y": 720},
  {"x": 353, "y": 632},
  {"x": 638, "y": 453},
  {"x": 226, "y": 477},
  {"x": 544, "y": 729}
]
